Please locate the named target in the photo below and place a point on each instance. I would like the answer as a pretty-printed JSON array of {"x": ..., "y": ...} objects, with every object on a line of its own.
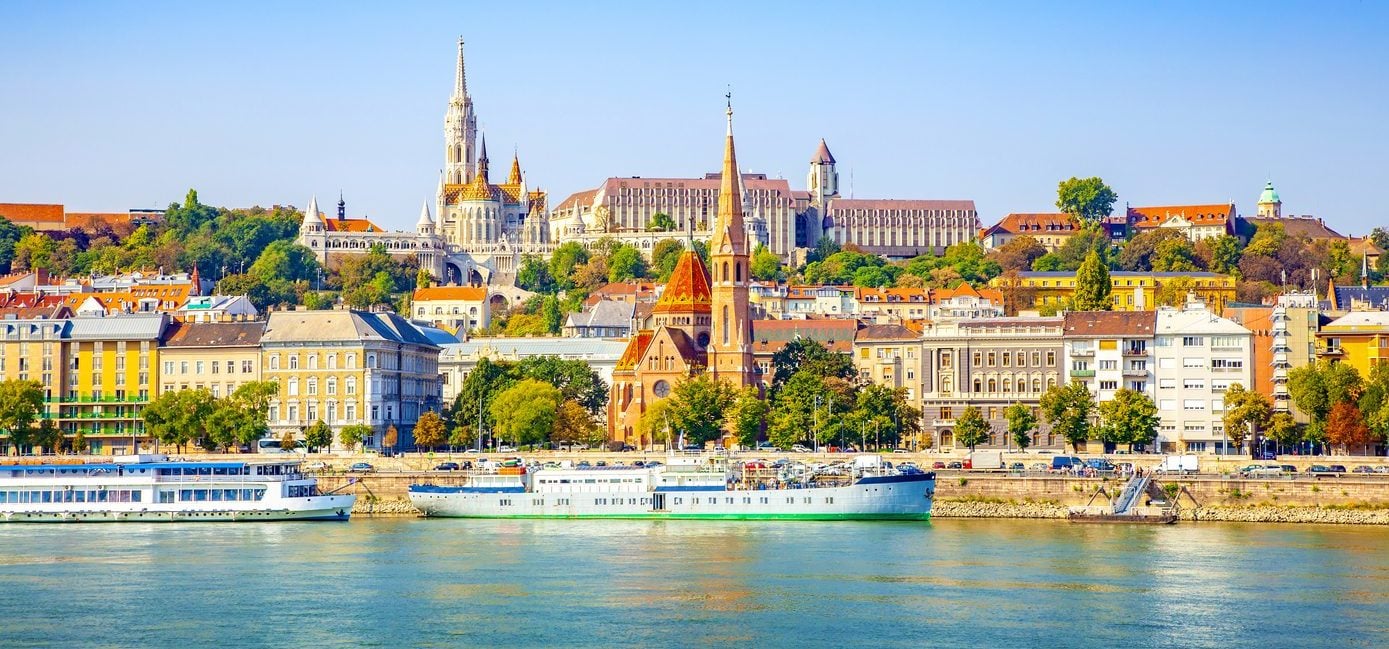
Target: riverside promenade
[{"x": 1218, "y": 495}]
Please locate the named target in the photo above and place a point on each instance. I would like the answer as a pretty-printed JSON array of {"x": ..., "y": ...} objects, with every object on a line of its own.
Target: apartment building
[
  {"x": 218, "y": 356},
  {"x": 1198, "y": 356}
]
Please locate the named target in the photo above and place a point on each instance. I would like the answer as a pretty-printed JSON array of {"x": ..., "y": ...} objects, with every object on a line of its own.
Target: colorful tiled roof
[
  {"x": 1109, "y": 323},
  {"x": 351, "y": 225},
  {"x": 688, "y": 287},
  {"x": 636, "y": 348},
  {"x": 1036, "y": 223}
]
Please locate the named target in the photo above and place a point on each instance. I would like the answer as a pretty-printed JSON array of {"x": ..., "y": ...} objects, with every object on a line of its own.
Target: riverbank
[{"x": 1343, "y": 501}]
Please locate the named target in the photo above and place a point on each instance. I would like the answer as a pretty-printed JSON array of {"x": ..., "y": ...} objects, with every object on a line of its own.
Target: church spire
[
  {"x": 729, "y": 236},
  {"x": 460, "y": 81},
  {"x": 515, "y": 176},
  {"x": 730, "y": 350},
  {"x": 482, "y": 160}
]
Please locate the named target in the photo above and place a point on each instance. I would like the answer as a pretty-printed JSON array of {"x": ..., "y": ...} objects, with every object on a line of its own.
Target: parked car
[
  {"x": 572, "y": 446},
  {"x": 583, "y": 464},
  {"x": 955, "y": 465},
  {"x": 1320, "y": 470},
  {"x": 900, "y": 450},
  {"x": 937, "y": 465},
  {"x": 1337, "y": 468},
  {"x": 1037, "y": 466},
  {"x": 1062, "y": 463},
  {"x": 361, "y": 467},
  {"x": 1288, "y": 468},
  {"x": 506, "y": 449},
  {"x": 446, "y": 466},
  {"x": 798, "y": 448},
  {"x": 316, "y": 466},
  {"x": 1017, "y": 466},
  {"x": 1261, "y": 471},
  {"x": 1363, "y": 469},
  {"x": 601, "y": 463},
  {"x": 1100, "y": 464}
]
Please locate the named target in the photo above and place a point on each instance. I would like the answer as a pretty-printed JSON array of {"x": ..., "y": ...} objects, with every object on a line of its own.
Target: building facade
[
  {"x": 1130, "y": 291},
  {"x": 455, "y": 308},
  {"x": 989, "y": 364},
  {"x": 1198, "y": 357},
  {"x": 217, "y": 356},
  {"x": 1050, "y": 229}
]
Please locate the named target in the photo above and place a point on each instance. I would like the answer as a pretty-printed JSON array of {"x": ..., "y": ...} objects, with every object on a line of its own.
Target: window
[
  {"x": 313, "y": 362},
  {"x": 977, "y": 356},
  {"x": 199, "y": 365},
  {"x": 168, "y": 367},
  {"x": 1193, "y": 404},
  {"x": 294, "y": 362},
  {"x": 351, "y": 385},
  {"x": 293, "y": 388},
  {"x": 245, "y": 367},
  {"x": 1051, "y": 359},
  {"x": 1227, "y": 363},
  {"x": 1194, "y": 384},
  {"x": 946, "y": 412},
  {"x": 183, "y": 367},
  {"x": 1190, "y": 361},
  {"x": 313, "y": 386},
  {"x": 351, "y": 361},
  {"x": 1037, "y": 359},
  {"x": 1079, "y": 366},
  {"x": 215, "y": 365},
  {"x": 1109, "y": 365},
  {"x": 1228, "y": 342},
  {"x": 1167, "y": 384},
  {"x": 1007, "y": 359},
  {"x": 991, "y": 359},
  {"x": 1167, "y": 404},
  {"x": 1193, "y": 341},
  {"x": 274, "y": 362},
  {"x": 332, "y": 385},
  {"x": 1109, "y": 385}
]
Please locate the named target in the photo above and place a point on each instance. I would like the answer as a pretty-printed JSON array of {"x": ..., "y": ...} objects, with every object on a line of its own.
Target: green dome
[{"x": 1269, "y": 195}]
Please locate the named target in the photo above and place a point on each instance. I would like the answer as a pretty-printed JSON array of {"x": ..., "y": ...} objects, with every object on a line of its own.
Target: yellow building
[
  {"x": 218, "y": 356},
  {"x": 1131, "y": 291},
  {"x": 111, "y": 373},
  {"x": 1359, "y": 338},
  {"x": 456, "y": 308},
  {"x": 890, "y": 356}
]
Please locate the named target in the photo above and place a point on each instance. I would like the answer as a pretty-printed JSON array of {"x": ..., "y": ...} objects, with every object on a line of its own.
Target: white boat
[
  {"x": 689, "y": 488},
  {"x": 149, "y": 488}
]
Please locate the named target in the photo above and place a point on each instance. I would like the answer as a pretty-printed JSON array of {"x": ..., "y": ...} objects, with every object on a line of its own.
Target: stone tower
[
  {"x": 1270, "y": 206},
  {"x": 730, "y": 350},
  {"x": 460, "y": 129}
]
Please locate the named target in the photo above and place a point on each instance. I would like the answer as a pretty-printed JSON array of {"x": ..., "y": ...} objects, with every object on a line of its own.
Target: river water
[{"x": 447, "y": 583}]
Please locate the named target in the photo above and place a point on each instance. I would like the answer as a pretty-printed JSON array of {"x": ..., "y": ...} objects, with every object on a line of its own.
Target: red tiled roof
[
  {"x": 50, "y": 213},
  {"x": 1109, "y": 323},
  {"x": 1036, "y": 223},
  {"x": 351, "y": 225},
  {"x": 1155, "y": 216},
  {"x": 95, "y": 219},
  {"x": 769, "y": 336},
  {"x": 577, "y": 198},
  {"x": 636, "y": 348},
  {"x": 885, "y": 332}
]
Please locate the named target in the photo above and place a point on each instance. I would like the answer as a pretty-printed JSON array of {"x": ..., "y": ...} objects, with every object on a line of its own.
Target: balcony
[
  {"x": 1083, "y": 374},
  {"x": 1083, "y": 352},
  {"x": 1132, "y": 372},
  {"x": 1135, "y": 351},
  {"x": 1330, "y": 351},
  {"x": 132, "y": 398}
]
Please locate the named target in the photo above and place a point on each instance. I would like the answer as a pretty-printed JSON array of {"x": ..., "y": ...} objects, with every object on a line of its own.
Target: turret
[
  {"x": 1270, "y": 206},
  {"x": 425, "y": 225}
]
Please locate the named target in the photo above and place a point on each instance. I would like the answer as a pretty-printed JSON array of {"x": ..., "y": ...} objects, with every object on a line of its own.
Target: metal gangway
[{"x": 1129, "y": 497}]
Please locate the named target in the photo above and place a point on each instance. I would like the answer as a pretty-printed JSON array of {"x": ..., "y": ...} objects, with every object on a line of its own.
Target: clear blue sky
[{"x": 107, "y": 106}]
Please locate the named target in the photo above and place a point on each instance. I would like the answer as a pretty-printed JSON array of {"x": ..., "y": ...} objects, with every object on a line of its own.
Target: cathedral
[
  {"x": 479, "y": 229},
  {"x": 702, "y": 323}
]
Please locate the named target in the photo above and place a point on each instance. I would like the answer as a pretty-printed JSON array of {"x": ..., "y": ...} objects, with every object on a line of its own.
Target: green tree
[
  {"x": 79, "y": 442},
  {"x": 654, "y": 426},
  {"x": 1067, "y": 408},
  {"x": 747, "y": 414},
  {"x": 1175, "y": 255},
  {"x": 224, "y": 422},
  {"x": 661, "y": 222},
  {"x": 664, "y": 257},
  {"x": 824, "y": 248},
  {"x": 794, "y": 416},
  {"x": 354, "y": 435},
  {"x": 1221, "y": 254},
  {"x": 811, "y": 356},
  {"x": 1089, "y": 199},
  {"x": 1018, "y": 254},
  {"x": 698, "y": 406},
  {"x": 1247, "y": 412},
  {"x": 429, "y": 430},
  {"x": 49, "y": 436},
  {"x": 576, "y": 379},
  {"x": 1129, "y": 417},
  {"x": 766, "y": 265},
  {"x": 1092, "y": 285},
  {"x": 525, "y": 412},
  {"x": 34, "y": 251},
  {"x": 285, "y": 260},
  {"x": 370, "y": 294},
  {"x": 573, "y": 423},
  {"x": 179, "y": 417},
  {"x": 626, "y": 264},
  {"x": 1021, "y": 423},
  {"x": 535, "y": 276},
  {"x": 1283, "y": 429},
  {"x": 462, "y": 436},
  {"x": 1317, "y": 388},
  {"x": 971, "y": 429},
  {"x": 20, "y": 404},
  {"x": 318, "y": 436},
  {"x": 564, "y": 260}
]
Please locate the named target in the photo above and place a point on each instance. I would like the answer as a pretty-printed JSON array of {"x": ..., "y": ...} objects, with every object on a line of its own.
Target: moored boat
[
  {"x": 688, "y": 487},
  {"x": 151, "y": 488}
]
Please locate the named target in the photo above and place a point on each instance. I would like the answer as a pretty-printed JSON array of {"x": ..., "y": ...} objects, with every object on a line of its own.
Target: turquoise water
[{"x": 447, "y": 583}]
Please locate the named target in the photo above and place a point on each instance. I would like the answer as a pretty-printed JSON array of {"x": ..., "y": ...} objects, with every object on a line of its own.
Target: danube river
[{"x": 447, "y": 583}]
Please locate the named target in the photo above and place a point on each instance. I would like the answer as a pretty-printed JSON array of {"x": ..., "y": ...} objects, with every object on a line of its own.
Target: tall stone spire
[
  {"x": 482, "y": 160},
  {"x": 730, "y": 350},
  {"x": 460, "y": 80},
  {"x": 515, "y": 176}
]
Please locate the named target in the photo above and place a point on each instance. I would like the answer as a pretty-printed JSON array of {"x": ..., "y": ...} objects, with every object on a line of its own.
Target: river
[{"x": 447, "y": 583}]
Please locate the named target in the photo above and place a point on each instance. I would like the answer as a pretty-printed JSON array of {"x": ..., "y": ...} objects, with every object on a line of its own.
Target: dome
[{"x": 1270, "y": 195}]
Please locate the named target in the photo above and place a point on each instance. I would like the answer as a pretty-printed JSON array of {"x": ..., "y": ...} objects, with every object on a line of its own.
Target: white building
[
  {"x": 216, "y": 308},
  {"x": 1198, "y": 356},
  {"x": 458, "y": 359}
]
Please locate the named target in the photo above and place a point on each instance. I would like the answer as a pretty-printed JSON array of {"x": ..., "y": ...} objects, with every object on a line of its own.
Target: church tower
[
  {"x": 460, "y": 129},
  {"x": 730, "y": 351},
  {"x": 1270, "y": 206},
  {"x": 823, "y": 180}
]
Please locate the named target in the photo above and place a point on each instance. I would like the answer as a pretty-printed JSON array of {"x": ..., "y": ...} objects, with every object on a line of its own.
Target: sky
[{"x": 116, "y": 105}]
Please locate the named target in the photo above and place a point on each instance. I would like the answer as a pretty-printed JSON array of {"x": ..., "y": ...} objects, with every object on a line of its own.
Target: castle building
[
  {"x": 701, "y": 320},
  {"x": 478, "y": 229}
]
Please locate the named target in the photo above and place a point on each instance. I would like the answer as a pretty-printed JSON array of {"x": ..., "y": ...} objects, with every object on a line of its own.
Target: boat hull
[
  {"x": 317, "y": 508},
  {"x": 906, "y": 499}
]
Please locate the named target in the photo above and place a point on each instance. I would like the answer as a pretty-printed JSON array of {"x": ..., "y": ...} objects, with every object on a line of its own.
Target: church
[
  {"x": 702, "y": 322},
  {"x": 478, "y": 230}
]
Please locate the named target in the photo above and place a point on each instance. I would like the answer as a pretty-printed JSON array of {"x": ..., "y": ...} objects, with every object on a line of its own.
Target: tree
[
  {"x": 79, "y": 442},
  {"x": 766, "y": 265},
  {"x": 224, "y": 423},
  {"x": 49, "y": 436},
  {"x": 1018, "y": 254},
  {"x": 576, "y": 379},
  {"x": 1173, "y": 291},
  {"x": 746, "y": 415},
  {"x": 1139, "y": 252},
  {"x": 1175, "y": 255},
  {"x": 654, "y": 425},
  {"x": 573, "y": 423},
  {"x": 664, "y": 257},
  {"x": 661, "y": 222},
  {"x": 1130, "y": 417},
  {"x": 525, "y": 412},
  {"x": 352, "y": 435},
  {"x": 698, "y": 407},
  {"x": 1317, "y": 388},
  {"x": 463, "y": 436},
  {"x": 805, "y": 354},
  {"x": 177, "y": 418},
  {"x": 1067, "y": 408},
  {"x": 626, "y": 263},
  {"x": 971, "y": 429},
  {"x": 1246, "y": 413},
  {"x": 1089, "y": 200},
  {"x": 429, "y": 430},
  {"x": 794, "y": 416},
  {"x": 285, "y": 260},
  {"x": 1345, "y": 427},
  {"x": 1021, "y": 423},
  {"x": 535, "y": 276},
  {"x": 390, "y": 438},
  {"x": 287, "y": 441},
  {"x": 20, "y": 404},
  {"x": 1221, "y": 254},
  {"x": 1283, "y": 429},
  {"x": 1092, "y": 285},
  {"x": 317, "y": 436},
  {"x": 564, "y": 260}
]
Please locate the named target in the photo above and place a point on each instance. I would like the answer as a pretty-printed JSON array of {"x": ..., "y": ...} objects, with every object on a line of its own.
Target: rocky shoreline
[{"x": 1256, "y": 513}]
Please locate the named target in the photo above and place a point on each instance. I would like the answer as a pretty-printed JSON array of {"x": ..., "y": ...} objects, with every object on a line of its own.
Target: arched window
[
  {"x": 1036, "y": 385},
  {"x": 993, "y": 385},
  {"x": 737, "y": 272},
  {"x": 351, "y": 361},
  {"x": 371, "y": 361},
  {"x": 725, "y": 271},
  {"x": 332, "y": 361},
  {"x": 725, "y": 316},
  {"x": 978, "y": 385},
  {"x": 313, "y": 362},
  {"x": 274, "y": 362},
  {"x": 294, "y": 362},
  {"x": 1007, "y": 385}
]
